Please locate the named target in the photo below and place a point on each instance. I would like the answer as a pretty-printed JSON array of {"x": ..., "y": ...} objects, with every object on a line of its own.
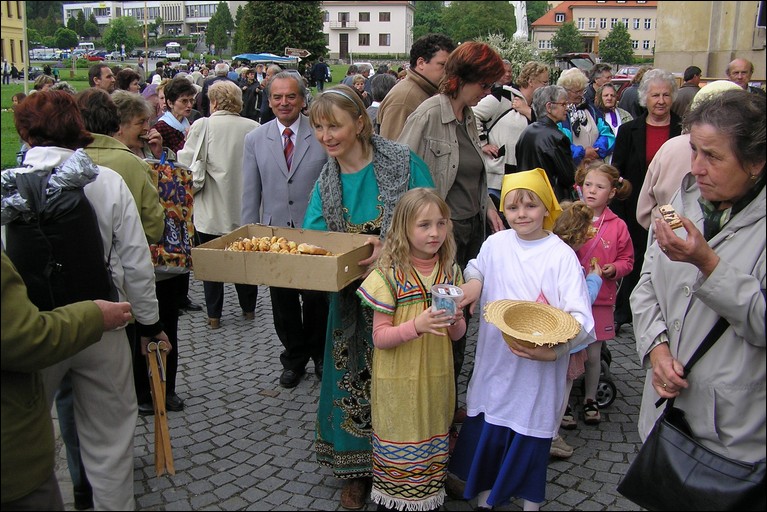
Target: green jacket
[
  {"x": 33, "y": 340},
  {"x": 112, "y": 153}
]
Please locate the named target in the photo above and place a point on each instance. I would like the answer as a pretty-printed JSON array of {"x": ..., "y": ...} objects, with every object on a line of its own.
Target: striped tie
[{"x": 288, "y": 146}]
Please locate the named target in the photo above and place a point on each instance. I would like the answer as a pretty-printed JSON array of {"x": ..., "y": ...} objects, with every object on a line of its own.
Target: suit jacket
[{"x": 268, "y": 186}]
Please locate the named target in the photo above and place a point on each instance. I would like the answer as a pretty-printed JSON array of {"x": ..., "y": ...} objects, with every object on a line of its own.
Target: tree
[
  {"x": 465, "y": 21},
  {"x": 66, "y": 38},
  {"x": 428, "y": 19},
  {"x": 515, "y": 51},
  {"x": 42, "y": 10},
  {"x": 567, "y": 39},
  {"x": 535, "y": 9},
  {"x": 34, "y": 37},
  {"x": 123, "y": 31},
  {"x": 80, "y": 23},
  {"x": 616, "y": 47},
  {"x": 273, "y": 26},
  {"x": 220, "y": 26},
  {"x": 72, "y": 23},
  {"x": 91, "y": 29}
]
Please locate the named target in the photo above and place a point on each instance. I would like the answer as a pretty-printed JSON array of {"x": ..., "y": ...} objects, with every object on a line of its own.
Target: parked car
[
  {"x": 627, "y": 72},
  {"x": 160, "y": 54},
  {"x": 582, "y": 61},
  {"x": 115, "y": 55},
  {"x": 96, "y": 56},
  {"x": 137, "y": 53},
  {"x": 34, "y": 72}
]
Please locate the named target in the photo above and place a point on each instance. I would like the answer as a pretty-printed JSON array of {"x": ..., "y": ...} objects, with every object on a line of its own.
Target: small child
[
  {"x": 611, "y": 246},
  {"x": 574, "y": 228},
  {"x": 412, "y": 396},
  {"x": 516, "y": 393}
]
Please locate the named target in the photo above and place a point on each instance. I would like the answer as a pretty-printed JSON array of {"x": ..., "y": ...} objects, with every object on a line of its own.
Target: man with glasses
[{"x": 739, "y": 71}]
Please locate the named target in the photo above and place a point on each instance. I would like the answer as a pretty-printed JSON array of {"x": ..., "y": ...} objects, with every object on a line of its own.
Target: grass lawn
[{"x": 10, "y": 138}]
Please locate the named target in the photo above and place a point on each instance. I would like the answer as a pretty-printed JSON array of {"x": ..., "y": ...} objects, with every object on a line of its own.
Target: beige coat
[
  {"x": 725, "y": 402},
  {"x": 664, "y": 175}
]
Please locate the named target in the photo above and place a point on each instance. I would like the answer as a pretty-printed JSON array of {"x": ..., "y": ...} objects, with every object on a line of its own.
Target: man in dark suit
[
  {"x": 281, "y": 163},
  {"x": 220, "y": 71}
]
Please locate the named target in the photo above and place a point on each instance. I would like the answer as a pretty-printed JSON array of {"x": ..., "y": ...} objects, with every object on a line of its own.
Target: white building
[
  {"x": 353, "y": 28},
  {"x": 350, "y": 27}
]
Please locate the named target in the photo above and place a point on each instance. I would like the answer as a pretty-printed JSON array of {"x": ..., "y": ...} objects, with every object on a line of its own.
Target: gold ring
[{"x": 664, "y": 385}]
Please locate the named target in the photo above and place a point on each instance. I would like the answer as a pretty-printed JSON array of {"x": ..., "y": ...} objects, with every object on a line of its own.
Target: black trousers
[
  {"x": 300, "y": 320},
  {"x": 169, "y": 294},
  {"x": 247, "y": 294}
]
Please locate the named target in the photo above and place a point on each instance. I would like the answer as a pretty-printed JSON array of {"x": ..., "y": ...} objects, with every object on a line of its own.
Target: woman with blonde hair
[
  {"x": 356, "y": 192},
  {"x": 590, "y": 137},
  {"x": 218, "y": 183}
]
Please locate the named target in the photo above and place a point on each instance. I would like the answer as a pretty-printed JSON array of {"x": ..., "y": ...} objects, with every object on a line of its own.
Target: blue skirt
[{"x": 509, "y": 464}]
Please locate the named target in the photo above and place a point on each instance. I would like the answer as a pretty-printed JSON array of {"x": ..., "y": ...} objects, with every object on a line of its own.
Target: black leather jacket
[{"x": 543, "y": 145}]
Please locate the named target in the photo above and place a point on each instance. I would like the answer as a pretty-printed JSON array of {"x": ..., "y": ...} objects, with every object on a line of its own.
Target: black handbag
[{"x": 673, "y": 471}]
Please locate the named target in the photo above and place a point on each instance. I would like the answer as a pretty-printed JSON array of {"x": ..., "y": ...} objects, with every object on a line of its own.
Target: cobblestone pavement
[{"x": 245, "y": 443}]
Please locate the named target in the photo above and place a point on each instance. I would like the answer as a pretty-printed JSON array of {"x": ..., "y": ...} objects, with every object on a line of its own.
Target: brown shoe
[
  {"x": 249, "y": 315},
  {"x": 353, "y": 493},
  {"x": 214, "y": 323}
]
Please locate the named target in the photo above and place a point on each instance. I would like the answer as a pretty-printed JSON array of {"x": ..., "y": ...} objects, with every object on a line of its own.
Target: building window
[
  {"x": 637, "y": 23},
  {"x": 364, "y": 40},
  {"x": 603, "y": 23},
  {"x": 21, "y": 51},
  {"x": 635, "y": 44},
  {"x": 559, "y": 17},
  {"x": 365, "y": 16},
  {"x": 384, "y": 16},
  {"x": 384, "y": 39},
  {"x": 581, "y": 23},
  {"x": 13, "y": 52},
  {"x": 18, "y": 12},
  {"x": 8, "y": 9},
  {"x": 646, "y": 44},
  {"x": 592, "y": 23},
  {"x": 327, "y": 39},
  {"x": 625, "y": 22},
  {"x": 613, "y": 22},
  {"x": 647, "y": 23},
  {"x": 325, "y": 16}
]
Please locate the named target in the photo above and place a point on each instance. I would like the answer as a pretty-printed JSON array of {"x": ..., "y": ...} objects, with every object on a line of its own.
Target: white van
[
  {"x": 173, "y": 51},
  {"x": 87, "y": 47}
]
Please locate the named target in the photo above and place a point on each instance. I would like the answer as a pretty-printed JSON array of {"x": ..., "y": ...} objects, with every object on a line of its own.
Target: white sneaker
[{"x": 560, "y": 449}]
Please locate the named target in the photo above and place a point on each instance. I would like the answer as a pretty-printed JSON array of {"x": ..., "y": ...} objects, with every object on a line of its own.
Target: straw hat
[{"x": 531, "y": 323}]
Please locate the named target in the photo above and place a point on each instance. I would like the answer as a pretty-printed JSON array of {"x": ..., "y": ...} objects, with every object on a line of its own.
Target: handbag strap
[{"x": 716, "y": 332}]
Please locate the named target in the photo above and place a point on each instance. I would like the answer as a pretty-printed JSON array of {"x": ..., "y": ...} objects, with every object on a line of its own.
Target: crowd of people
[{"x": 460, "y": 174}]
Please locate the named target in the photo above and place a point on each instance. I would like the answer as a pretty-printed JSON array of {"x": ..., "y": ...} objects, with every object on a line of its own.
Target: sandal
[
  {"x": 568, "y": 420},
  {"x": 591, "y": 413}
]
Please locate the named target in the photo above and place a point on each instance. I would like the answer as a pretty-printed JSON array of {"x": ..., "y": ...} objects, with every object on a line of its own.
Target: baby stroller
[{"x": 606, "y": 390}]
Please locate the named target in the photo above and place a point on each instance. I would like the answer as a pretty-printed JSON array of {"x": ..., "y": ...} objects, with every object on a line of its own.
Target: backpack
[{"x": 53, "y": 238}]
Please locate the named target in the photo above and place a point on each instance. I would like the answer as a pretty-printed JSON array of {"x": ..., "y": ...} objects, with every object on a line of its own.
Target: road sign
[{"x": 297, "y": 52}]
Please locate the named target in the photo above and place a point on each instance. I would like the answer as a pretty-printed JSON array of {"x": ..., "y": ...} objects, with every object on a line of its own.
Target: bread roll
[
  {"x": 312, "y": 249},
  {"x": 670, "y": 216}
]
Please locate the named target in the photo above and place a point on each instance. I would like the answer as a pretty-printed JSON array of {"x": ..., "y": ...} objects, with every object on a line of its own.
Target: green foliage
[
  {"x": 49, "y": 41},
  {"x": 517, "y": 52},
  {"x": 567, "y": 39},
  {"x": 273, "y": 26},
  {"x": 42, "y": 10},
  {"x": 72, "y": 23},
  {"x": 66, "y": 38},
  {"x": 616, "y": 47},
  {"x": 428, "y": 19},
  {"x": 34, "y": 37},
  {"x": 46, "y": 26},
  {"x": 535, "y": 9},
  {"x": 124, "y": 30},
  {"x": 80, "y": 22},
  {"x": 465, "y": 21},
  {"x": 91, "y": 29},
  {"x": 220, "y": 26}
]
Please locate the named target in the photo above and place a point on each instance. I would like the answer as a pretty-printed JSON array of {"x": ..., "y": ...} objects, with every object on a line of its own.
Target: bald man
[{"x": 739, "y": 71}]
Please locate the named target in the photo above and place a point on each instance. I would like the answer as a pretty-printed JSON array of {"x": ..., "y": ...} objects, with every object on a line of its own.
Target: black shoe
[
  {"x": 83, "y": 497},
  {"x": 173, "y": 403},
  {"x": 188, "y": 305},
  {"x": 291, "y": 378},
  {"x": 318, "y": 368},
  {"x": 146, "y": 409}
]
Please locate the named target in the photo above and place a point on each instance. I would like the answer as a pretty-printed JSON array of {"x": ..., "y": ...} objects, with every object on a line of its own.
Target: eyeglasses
[
  {"x": 579, "y": 92},
  {"x": 563, "y": 103},
  {"x": 186, "y": 101}
]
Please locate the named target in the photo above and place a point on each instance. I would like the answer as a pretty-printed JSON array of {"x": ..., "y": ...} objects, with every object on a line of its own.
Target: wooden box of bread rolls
[{"x": 233, "y": 258}]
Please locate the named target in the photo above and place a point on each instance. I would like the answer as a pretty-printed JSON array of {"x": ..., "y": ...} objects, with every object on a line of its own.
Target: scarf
[
  {"x": 171, "y": 121},
  {"x": 391, "y": 165},
  {"x": 577, "y": 118},
  {"x": 714, "y": 219}
]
